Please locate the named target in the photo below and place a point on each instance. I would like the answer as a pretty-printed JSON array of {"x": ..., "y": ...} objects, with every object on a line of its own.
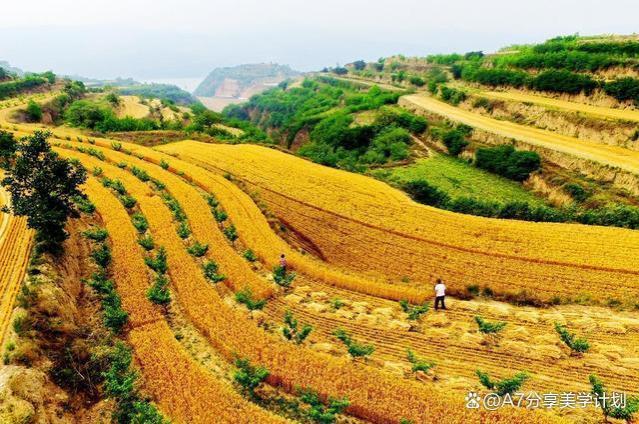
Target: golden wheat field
[
  {"x": 15, "y": 244},
  {"x": 365, "y": 249},
  {"x": 526, "y": 324},
  {"x": 422, "y": 243},
  {"x": 232, "y": 333}
]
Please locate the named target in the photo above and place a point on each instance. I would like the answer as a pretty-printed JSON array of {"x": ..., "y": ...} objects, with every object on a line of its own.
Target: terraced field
[
  {"x": 526, "y": 324},
  {"x": 452, "y": 340},
  {"x": 374, "y": 247},
  {"x": 183, "y": 390},
  {"x": 230, "y": 332},
  {"x": 340, "y": 213},
  {"x": 613, "y": 156},
  {"x": 131, "y": 106}
]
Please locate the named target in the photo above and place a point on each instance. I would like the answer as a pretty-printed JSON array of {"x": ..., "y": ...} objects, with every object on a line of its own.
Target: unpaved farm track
[
  {"x": 597, "y": 111},
  {"x": 613, "y": 156}
]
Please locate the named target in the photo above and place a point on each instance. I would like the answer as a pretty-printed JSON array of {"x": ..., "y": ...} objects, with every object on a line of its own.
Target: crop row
[
  {"x": 254, "y": 229},
  {"x": 184, "y": 390},
  {"x": 374, "y": 203},
  {"x": 15, "y": 247},
  {"x": 200, "y": 220},
  {"x": 454, "y": 354}
]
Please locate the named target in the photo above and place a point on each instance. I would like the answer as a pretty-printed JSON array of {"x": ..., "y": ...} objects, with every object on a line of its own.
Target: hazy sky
[{"x": 149, "y": 39}]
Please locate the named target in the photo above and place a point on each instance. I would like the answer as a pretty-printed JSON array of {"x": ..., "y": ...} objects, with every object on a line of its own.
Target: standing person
[
  {"x": 283, "y": 262},
  {"x": 440, "y": 294}
]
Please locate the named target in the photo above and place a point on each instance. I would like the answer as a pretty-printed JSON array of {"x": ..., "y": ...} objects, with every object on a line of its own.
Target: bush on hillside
[
  {"x": 13, "y": 87},
  {"x": 452, "y": 95},
  {"x": 494, "y": 77},
  {"x": 563, "y": 82},
  {"x": 416, "y": 80},
  {"x": 340, "y": 70},
  {"x": 423, "y": 192},
  {"x": 506, "y": 161},
  {"x": 359, "y": 65},
  {"x": 623, "y": 89},
  {"x": 92, "y": 115},
  {"x": 391, "y": 143},
  {"x": 393, "y": 116},
  {"x": 455, "y": 141}
]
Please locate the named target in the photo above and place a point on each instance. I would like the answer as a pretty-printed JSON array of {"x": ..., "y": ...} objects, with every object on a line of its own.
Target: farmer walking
[
  {"x": 283, "y": 262},
  {"x": 440, "y": 294}
]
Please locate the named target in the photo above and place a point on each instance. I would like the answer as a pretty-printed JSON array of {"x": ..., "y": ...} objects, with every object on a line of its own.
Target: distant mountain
[
  {"x": 242, "y": 81},
  {"x": 12, "y": 70}
]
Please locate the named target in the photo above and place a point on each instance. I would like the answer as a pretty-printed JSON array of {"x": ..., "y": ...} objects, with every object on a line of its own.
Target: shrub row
[
  {"x": 12, "y": 88},
  {"x": 612, "y": 216},
  {"x": 504, "y": 160},
  {"x": 561, "y": 81}
]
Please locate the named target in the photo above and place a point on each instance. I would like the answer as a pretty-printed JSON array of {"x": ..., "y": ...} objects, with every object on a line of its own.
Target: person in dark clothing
[{"x": 440, "y": 294}]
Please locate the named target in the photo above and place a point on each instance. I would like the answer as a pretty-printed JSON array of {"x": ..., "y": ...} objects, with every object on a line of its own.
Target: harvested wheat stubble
[{"x": 452, "y": 340}]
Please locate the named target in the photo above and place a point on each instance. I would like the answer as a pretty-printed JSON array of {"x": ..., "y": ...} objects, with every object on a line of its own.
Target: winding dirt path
[{"x": 614, "y": 156}]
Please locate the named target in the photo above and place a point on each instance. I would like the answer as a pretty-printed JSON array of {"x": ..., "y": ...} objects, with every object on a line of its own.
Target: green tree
[
  {"x": 8, "y": 147},
  {"x": 34, "y": 111},
  {"x": 42, "y": 187},
  {"x": 113, "y": 99},
  {"x": 577, "y": 346},
  {"x": 505, "y": 386},
  {"x": 354, "y": 349},
  {"x": 249, "y": 377},
  {"x": 320, "y": 413},
  {"x": 282, "y": 277},
  {"x": 487, "y": 327},
  {"x": 359, "y": 65},
  {"x": 414, "y": 312},
  {"x": 291, "y": 330},
  {"x": 609, "y": 409},
  {"x": 418, "y": 364},
  {"x": 455, "y": 141}
]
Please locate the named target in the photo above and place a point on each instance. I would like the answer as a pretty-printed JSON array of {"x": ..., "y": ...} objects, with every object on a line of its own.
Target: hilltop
[
  {"x": 239, "y": 81},
  {"x": 229, "y": 85}
]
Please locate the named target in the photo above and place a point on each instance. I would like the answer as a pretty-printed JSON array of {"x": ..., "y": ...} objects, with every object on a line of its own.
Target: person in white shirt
[{"x": 440, "y": 294}]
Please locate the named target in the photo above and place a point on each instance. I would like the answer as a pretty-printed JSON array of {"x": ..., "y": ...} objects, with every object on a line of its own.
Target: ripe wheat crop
[
  {"x": 374, "y": 395},
  {"x": 15, "y": 246},
  {"x": 183, "y": 390},
  {"x": 366, "y": 225}
]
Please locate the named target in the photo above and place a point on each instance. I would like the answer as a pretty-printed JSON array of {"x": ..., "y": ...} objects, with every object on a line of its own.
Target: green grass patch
[{"x": 458, "y": 178}]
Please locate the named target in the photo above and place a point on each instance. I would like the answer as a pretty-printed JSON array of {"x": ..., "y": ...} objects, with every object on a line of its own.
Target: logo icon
[{"x": 472, "y": 400}]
